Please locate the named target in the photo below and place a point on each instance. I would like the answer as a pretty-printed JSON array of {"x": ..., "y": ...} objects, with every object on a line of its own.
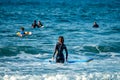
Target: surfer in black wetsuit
[
  {"x": 60, "y": 46},
  {"x": 34, "y": 25},
  {"x": 39, "y": 24},
  {"x": 95, "y": 25}
]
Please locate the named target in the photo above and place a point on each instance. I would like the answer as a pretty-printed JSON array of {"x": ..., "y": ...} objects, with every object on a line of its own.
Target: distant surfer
[
  {"x": 39, "y": 24},
  {"x": 95, "y": 25},
  {"x": 34, "y": 25},
  {"x": 60, "y": 46},
  {"x": 22, "y": 32}
]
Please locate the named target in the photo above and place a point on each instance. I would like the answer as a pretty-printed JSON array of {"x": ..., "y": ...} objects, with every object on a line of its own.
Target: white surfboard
[{"x": 26, "y": 33}]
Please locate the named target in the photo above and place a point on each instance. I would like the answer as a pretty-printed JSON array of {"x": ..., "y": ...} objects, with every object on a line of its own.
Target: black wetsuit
[
  {"x": 96, "y": 26},
  {"x": 59, "y": 53},
  {"x": 40, "y": 25},
  {"x": 34, "y": 25}
]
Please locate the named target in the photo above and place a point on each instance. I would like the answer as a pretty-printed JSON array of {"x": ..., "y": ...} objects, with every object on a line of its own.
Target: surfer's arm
[
  {"x": 55, "y": 51},
  {"x": 66, "y": 53},
  {"x": 53, "y": 55}
]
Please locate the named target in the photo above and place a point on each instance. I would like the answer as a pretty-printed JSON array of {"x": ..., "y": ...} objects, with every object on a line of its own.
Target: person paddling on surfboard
[
  {"x": 60, "y": 46},
  {"x": 22, "y": 33}
]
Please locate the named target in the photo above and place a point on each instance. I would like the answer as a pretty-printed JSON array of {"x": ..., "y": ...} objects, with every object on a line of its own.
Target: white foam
[
  {"x": 24, "y": 55},
  {"x": 27, "y": 56},
  {"x": 65, "y": 76}
]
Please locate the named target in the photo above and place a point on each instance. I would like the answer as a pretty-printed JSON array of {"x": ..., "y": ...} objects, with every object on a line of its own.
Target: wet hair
[
  {"x": 35, "y": 21},
  {"x": 95, "y": 22},
  {"x": 62, "y": 39},
  {"x": 22, "y": 28}
]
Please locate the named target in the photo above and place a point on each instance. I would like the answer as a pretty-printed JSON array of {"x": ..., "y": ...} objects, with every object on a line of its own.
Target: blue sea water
[{"x": 26, "y": 58}]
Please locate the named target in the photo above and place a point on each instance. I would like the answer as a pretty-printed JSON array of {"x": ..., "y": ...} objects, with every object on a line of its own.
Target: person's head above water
[
  {"x": 61, "y": 39},
  {"x": 22, "y": 28},
  {"x": 34, "y": 21},
  {"x": 95, "y": 23}
]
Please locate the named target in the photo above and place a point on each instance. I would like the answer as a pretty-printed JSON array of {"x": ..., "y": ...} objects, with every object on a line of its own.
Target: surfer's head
[
  {"x": 61, "y": 39},
  {"x": 95, "y": 23},
  {"x": 35, "y": 21},
  {"x": 22, "y": 28}
]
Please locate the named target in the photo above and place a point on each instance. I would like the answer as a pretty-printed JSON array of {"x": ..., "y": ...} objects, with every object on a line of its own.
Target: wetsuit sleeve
[
  {"x": 55, "y": 50},
  {"x": 66, "y": 52}
]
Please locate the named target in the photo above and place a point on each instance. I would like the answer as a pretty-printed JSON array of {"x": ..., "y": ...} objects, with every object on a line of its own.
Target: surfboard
[
  {"x": 42, "y": 26},
  {"x": 75, "y": 61},
  {"x": 79, "y": 61},
  {"x": 26, "y": 33}
]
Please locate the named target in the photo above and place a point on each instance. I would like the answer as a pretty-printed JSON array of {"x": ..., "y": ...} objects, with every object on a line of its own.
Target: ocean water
[{"x": 26, "y": 58}]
